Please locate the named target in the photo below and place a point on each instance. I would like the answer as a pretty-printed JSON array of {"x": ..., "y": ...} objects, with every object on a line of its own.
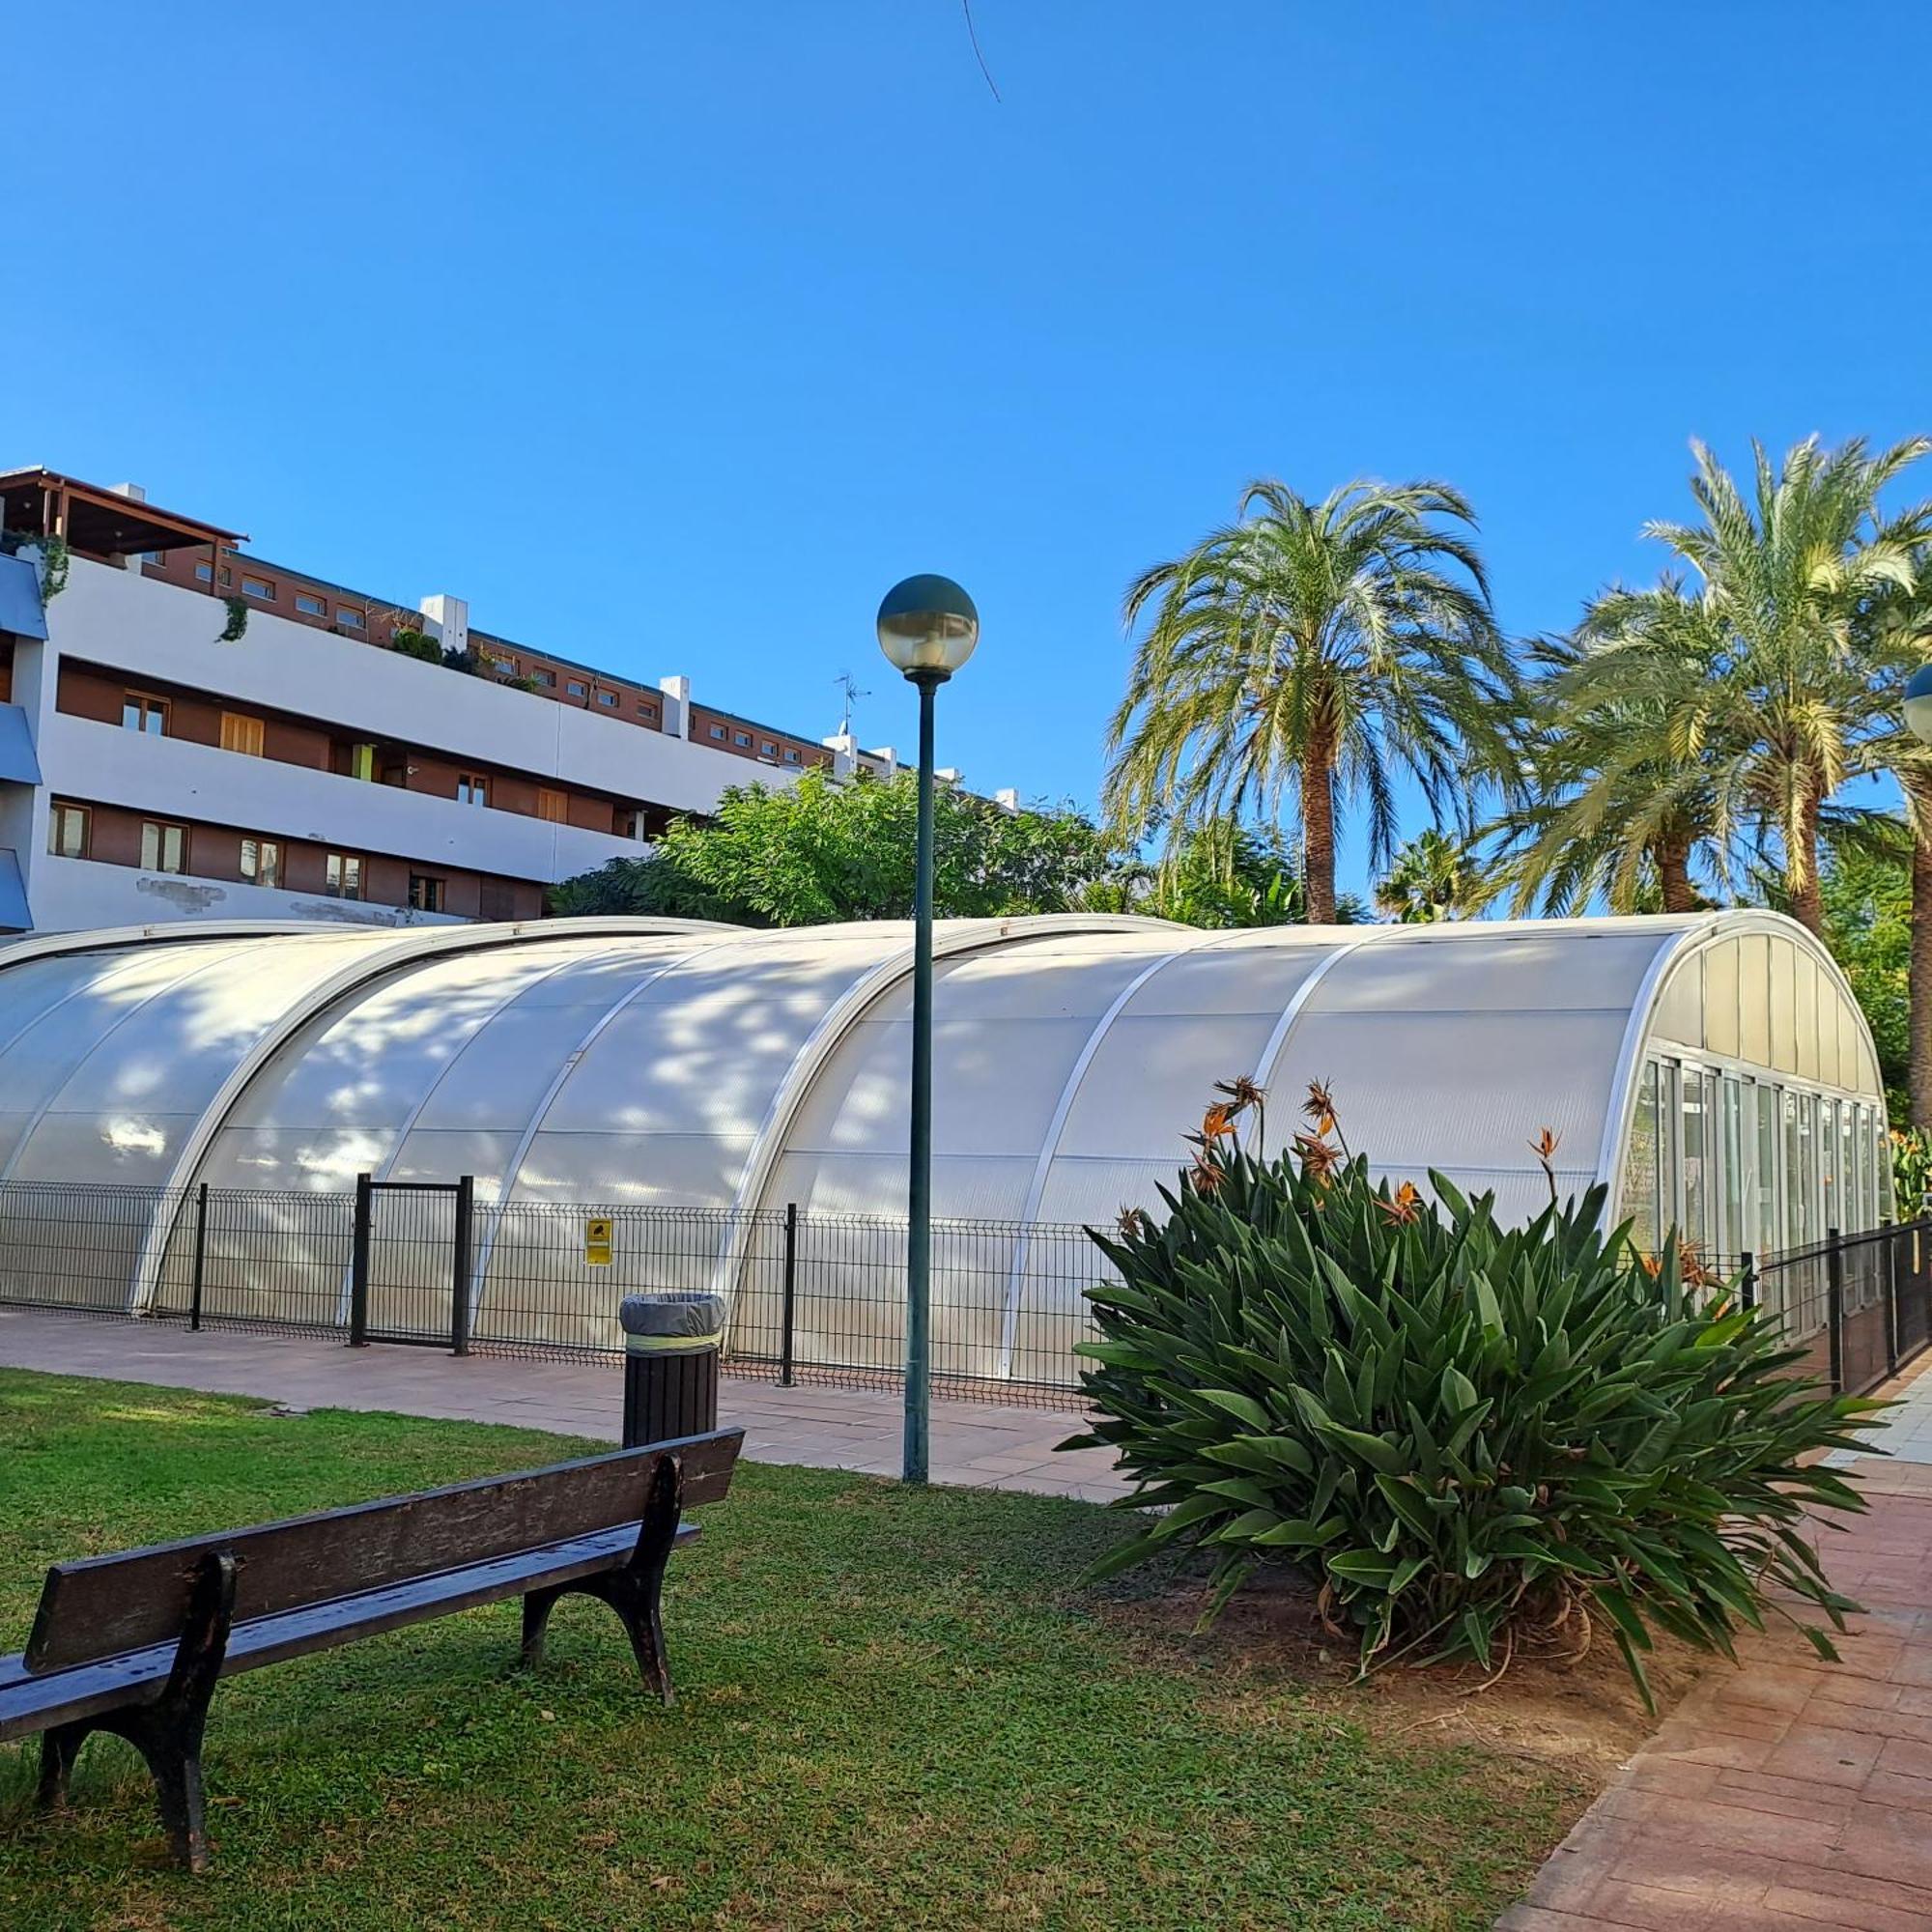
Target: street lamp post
[{"x": 927, "y": 629}]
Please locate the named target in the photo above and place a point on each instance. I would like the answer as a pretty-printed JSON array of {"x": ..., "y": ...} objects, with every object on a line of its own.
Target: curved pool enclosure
[{"x": 1713, "y": 1068}]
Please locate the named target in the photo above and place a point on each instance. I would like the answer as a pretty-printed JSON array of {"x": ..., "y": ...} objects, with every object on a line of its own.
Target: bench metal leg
[
  {"x": 635, "y": 1591},
  {"x": 167, "y": 1732}
]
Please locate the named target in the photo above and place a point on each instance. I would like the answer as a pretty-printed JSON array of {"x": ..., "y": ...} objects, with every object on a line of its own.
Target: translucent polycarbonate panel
[
  {"x": 857, "y": 1183},
  {"x": 131, "y": 1147},
  {"x": 1783, "y": 1006},
  {"x": 1494, "y": 969},
  {"x": 1151, "y": 1075},
  {"x": 1679, "y": 1014},
  {"x": 1092, "y": 1192},
  {"x": 1459, "y": 1089},
  {"x": 1754, "y": 998},
  {"x": 995, "y": 1085},
  {"x": 1767, "y": 1228},
  {"x": 1233, "y": 972},
  {"x": 447, "y": 1154},
  {"x": 370, "y": 1061},
  {"x": 661, "y": 1170},
  {"x": 1721, "y": 1022},
  {"x": 705, "y": 1046},
  {"x": 1804, "y": 1009},
  {"x": 142, "y": 1047},
  {"x": 315, "y": 1159}
]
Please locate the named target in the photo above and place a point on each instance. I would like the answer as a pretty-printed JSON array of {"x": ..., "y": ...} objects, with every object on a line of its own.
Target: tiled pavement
[
  {"x": 1792, "y": 1793},
  {"x": 825, "y": 1428}
]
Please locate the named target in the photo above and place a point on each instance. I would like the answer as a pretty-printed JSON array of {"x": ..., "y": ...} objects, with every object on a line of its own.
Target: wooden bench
[{"x": 135, "y": 1644}]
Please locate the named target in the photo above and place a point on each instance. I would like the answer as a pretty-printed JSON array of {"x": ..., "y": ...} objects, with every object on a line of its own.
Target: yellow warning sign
[{"x": 597, "y": 1240}]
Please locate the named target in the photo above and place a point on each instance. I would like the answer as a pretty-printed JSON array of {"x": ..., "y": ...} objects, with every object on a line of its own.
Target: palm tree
[
  {"x": 1307, "y": 649},
  {"x": 1613, "y": 802},
  {"x": 1896, "y": 633},
  {"x": 1433, "y": 878},
  {"x": 1782, "y": 580}
]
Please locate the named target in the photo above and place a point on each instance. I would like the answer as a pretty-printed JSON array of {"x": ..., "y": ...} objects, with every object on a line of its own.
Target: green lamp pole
[{"x": 927, "y": 629}]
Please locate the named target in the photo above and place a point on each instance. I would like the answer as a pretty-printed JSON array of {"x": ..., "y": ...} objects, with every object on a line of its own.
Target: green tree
[
  {"x": 1897, "y": 636},
  {"x": 1433, "y": 878},
  {"x": 1615, "y": 802},
  {"x": 1867, "y": 891},
  {"x": 1783, "y": 580},
  {"x": 1221, "y": 875},
  {"x": 1309, "y": 651},
  {"x": 825, "y": 849}
]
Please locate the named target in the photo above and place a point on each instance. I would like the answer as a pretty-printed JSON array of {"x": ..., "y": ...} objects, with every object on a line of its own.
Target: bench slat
[
  {"x": 31, "y": 1702},
  {"x": 102, "y": 1608}
]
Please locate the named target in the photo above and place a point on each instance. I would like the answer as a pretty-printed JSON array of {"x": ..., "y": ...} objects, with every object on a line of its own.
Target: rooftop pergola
[{"x": 97, "y": 520}]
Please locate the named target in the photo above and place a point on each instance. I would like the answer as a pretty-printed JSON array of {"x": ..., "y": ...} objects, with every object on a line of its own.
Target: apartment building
[{"x": 187, "y": 730}]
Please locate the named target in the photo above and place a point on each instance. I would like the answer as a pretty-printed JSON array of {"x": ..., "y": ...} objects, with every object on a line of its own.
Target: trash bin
[{"x": 671, "y": 1364}]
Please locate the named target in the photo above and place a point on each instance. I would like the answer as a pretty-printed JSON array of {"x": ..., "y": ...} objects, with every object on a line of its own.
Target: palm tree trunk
[
  {"x": 1318, "y": 831},
  {"x": 1920, "y": 976},
  {"x": 1673, "y": 875},
  {"x": 1807, "y": 904}
]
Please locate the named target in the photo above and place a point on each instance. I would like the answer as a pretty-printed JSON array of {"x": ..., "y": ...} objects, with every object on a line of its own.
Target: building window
[
  {"x": 425, "y": 892},
  {"x": 768, "y": 750},
  {"x": 163, "y": 847},
  {"x": 742, "y": 738},
  {"x": 227, "y": 576},
  {"x": 576, "y": 688},
  {"x": 645, "y": 708},
  {"x": 262, "y": 861},
  {"x": 632, "y": 822},
  {"x": 242, "y": 734},
  {"x": 348, "y": 619},
  {"x": 503, "y": 666},
  {"x": 309, "y": 605},
  {"x": 205, "y": 573},
  {"x": 718, "y": 733},
  {"x": 471, "y": 788},
  {"x": 553, "y": 805},
  {"x": 791, "y": 756},
  {"x": 67, "y": 831},
  {"x": 608, "y": 699},
  {"x": 141, "y": 713},
  {"x": 546, "y": 680},
  {"x": 362, "y": 763},
  {"x": 258, "y": 586},
  {"x": 342, "y": 878}
]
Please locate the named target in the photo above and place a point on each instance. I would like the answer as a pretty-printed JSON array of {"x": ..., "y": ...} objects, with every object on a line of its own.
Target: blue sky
[{"x": 671, "y": 335}]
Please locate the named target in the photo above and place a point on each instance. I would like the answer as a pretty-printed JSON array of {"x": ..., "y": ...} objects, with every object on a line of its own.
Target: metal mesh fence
[
  {"x": 810, "y": 1297},
  {"x": 1861, "y": 1304}
]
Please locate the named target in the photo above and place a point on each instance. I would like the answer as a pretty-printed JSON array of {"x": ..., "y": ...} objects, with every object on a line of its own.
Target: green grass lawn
[{"x": 895, "y": 1709}]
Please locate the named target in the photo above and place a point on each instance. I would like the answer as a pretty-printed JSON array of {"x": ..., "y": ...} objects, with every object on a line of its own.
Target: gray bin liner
[{"x": 656, "y": 1324}]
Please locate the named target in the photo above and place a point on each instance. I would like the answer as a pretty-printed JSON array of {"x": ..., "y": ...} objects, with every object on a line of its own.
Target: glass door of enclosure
[{"x": 1738, "y": 1164}]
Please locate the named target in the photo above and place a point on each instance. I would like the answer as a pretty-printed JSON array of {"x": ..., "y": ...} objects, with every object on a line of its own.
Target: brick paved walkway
[
  {"x": 983, "y": 1444},
  {"x": 1792, "y": 1793}
]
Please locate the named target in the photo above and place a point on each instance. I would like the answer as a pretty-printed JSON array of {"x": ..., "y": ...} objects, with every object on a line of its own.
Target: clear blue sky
[{"x": 671, "y": 335}]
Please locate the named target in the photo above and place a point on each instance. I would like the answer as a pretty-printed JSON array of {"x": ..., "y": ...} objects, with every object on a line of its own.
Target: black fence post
[
  {"x": 358, "y": 1264},
  {"x": 1892, "y": 1252},
  {"x": 1834, "y": 1306},
  {"x": 200, "y": 1257},
  {"x": 1747, "y": 1280},
  {"x": 791, "y": 1293},
  {"x": 459, "y": 1307}
]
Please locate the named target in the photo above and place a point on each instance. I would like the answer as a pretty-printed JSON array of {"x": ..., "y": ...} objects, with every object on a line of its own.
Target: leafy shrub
[
  {"x": 412, "y": 644},
  {"x": 1476, "y": 1435},
  {"x": 1911, "y": 1170}
]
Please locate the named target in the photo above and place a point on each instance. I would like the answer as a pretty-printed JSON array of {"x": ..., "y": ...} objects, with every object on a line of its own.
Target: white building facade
[{"x": 155, "y": 766}]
